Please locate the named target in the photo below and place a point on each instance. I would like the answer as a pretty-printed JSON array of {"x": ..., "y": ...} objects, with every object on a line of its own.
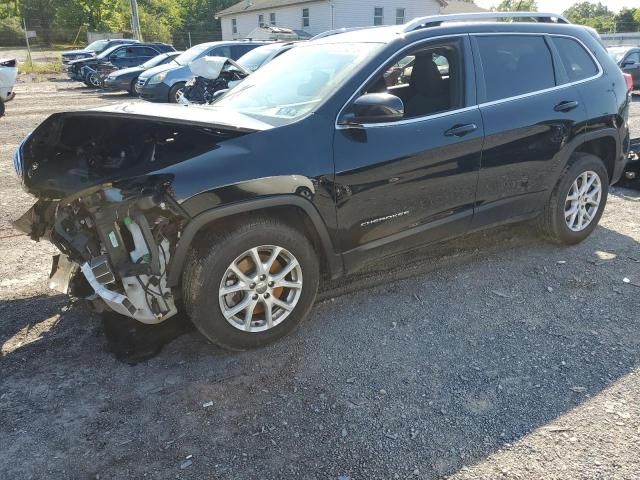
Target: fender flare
[
  {"x": 573, "y": 145},
  {"x": 334, "y": 260}
]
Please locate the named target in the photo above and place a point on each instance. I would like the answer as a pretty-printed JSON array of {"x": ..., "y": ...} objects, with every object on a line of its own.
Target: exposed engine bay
[
  {"x": 121, "y": 240},
  {"x": 107, "y": 204}
]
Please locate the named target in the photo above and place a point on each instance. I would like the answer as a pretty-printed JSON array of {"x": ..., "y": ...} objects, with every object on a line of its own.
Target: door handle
[
  {"x": 566, "y": 106},
  {"x": 461, "y": 130}
]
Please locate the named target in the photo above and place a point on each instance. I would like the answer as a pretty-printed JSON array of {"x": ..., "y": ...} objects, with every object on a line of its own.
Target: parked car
[
  {"x": 631, "y": 177},
  {"x": 126, "y": 78},
  {"x": 216, "y": 75},
  {"x": 8, "y": 74},
  {"x": 119, "y": 56},
  {"x": 628, "y": 59},
  {"x": 312, "y": 167},
  {"x": 94, "y": 48},
  {"x": 213, "y": 75},
  {"x": 165, "y": 83}
]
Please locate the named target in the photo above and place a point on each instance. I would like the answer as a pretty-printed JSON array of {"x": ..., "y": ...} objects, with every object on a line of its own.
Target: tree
[
  {"x": 518, "y": 6},
  {"x": 625, "y": 20},
  {"x": 594, "y": 15}
]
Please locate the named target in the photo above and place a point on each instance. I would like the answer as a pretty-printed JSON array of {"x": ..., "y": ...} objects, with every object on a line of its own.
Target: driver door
[{"x": 411, "y": 181}]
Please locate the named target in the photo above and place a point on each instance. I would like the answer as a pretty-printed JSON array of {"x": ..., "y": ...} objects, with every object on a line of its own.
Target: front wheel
[
  {"x": 578, "y": 200},
  {"x": 176, "y": 92},
  {"x": 251, "y": 286},
  {"x": 94, "y": 80}
]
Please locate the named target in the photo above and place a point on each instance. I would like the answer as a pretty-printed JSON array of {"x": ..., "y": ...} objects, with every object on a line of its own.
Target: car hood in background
[
  {"x": 126, "y": 72},
  {"x": 76, "y": 52},
  {"x": 159, "y": 69}
]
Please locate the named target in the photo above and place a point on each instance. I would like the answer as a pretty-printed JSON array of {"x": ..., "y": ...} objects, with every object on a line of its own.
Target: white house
[{"x": 317, "y": 16}]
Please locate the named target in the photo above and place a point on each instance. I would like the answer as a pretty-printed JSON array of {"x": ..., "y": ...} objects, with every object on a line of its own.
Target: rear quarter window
[
  {"x": 515, "y": 65},
  {"x": 577, "y": 62}
]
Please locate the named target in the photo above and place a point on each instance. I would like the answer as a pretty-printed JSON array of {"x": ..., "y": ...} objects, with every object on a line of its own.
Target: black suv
[
  {"x": 118, "y": 56},
  {"x": 236, "y": 211},
  {"x": 94, "y": 48}
]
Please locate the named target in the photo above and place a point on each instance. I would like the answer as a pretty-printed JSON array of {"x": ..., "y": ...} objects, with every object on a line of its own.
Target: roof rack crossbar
[{"x": 437, "y": 20}]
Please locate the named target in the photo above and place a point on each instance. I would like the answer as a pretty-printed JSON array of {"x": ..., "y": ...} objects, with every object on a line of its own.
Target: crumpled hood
[{"x": 207, "y": 116}]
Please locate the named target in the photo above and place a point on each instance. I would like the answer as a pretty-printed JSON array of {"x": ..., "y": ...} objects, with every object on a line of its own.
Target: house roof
[
  {"x": 457, "y": 6},
  {"x": 253, "y": 5}
]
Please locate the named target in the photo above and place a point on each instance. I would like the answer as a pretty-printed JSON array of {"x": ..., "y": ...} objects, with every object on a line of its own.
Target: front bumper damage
[{"x": 120, "y": 240}]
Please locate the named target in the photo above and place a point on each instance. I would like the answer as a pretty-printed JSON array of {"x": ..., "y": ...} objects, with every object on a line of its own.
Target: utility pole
[
  {"x": 26, "y": 37},
  {"x": 135, "y": 20}
]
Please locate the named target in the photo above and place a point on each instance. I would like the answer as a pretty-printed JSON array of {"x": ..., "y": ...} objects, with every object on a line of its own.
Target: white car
[{"x": 8, "y": 74}]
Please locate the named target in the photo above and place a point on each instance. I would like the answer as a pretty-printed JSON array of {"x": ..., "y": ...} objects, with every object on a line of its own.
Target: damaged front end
[
  {"x": 120, "y": 239},
  {"x": 105, "y": 200}
]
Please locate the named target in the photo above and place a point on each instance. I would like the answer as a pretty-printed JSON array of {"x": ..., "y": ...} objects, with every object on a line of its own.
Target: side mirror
[
  {"x": 628, "y": 63},
  {"x": 375, "y": 108}
]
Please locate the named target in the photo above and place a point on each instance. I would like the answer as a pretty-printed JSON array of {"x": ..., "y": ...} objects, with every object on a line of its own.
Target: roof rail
[{"x": 437, "y": 20}]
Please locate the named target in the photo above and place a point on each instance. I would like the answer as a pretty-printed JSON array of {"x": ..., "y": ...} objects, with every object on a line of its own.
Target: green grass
[{"x": 40, "y": 67}]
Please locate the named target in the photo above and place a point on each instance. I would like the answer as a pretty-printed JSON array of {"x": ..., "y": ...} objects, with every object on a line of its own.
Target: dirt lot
[{"x": 496, "y": 356}]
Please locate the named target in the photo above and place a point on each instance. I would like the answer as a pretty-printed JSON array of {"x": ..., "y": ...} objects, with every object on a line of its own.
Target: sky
[{"x": 559, "y": 6}]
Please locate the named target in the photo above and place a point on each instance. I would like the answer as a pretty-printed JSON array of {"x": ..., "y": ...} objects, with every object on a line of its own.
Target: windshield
[
  {"x": 155, "y": 61},
  {"x": 314, "y": 72},
  {"x": 616, "y": 55},
  {"x": 97, "y": 45},
  {"x": 192, "y": 54},
  {"x": 108, "y": 52},
  {"x": 256, "y": 57}
]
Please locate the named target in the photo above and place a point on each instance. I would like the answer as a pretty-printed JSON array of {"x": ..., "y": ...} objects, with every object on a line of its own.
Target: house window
[
  {"x": 272, "y": 19},
  {"x": 234, "y": 26},
  {"x": 261, "y": 21},
  {"x": 399, "y": 16},
  {"x": 378, "y": 16},
  {"x": 305, "y": 17}
]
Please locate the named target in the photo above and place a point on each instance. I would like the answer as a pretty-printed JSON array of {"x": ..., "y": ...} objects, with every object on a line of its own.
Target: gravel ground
[{"x": 494, "y": 356}]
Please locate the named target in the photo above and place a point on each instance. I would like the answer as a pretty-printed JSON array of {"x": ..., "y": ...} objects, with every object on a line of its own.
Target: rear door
[
  {"x": 529, "y": 114},
  {"x": 412, "y": 181}
]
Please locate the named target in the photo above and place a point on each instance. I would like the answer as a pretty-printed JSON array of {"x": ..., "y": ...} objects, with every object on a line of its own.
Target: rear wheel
[
  {"x": 578, "y": 200},
  {"x": 176, "y": 92},
  {"x": 1, "y": 108},
  {"x": 251, "y": 286}
]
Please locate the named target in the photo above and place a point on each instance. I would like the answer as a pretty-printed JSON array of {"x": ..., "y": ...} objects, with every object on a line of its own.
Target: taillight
[{"x": 629, "y": 80}]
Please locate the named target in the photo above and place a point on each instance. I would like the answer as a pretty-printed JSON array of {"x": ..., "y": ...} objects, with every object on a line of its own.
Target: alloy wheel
[
  {"x": 583, "y": 201},
  {"x": 260, "y": 288}
]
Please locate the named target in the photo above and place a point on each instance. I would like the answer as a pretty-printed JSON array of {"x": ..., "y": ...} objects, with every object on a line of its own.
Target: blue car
[
  {"x": 117, "y": 57},
  {"x": 166, "y": 83},
  {"x": 94, "y": 49}
]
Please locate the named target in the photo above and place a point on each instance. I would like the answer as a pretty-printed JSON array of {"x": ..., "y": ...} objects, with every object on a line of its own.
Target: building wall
[
  {"x": 288, "y": 17},
  {"x": 329, "y": 14}
]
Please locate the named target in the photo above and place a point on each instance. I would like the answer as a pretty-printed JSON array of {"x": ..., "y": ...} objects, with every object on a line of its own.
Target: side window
[
  {"x": 515, "y": 65},
  {"x": 145, "y": 52},
  {"x": 632, "y": 57},
  {"x": 239, "y": 50},
  {"x": 577, "y": 62},
  {"x": 429, "y": 80},
  {"x": 123, "y": 53},
  {"x": 224, "y": 51}
]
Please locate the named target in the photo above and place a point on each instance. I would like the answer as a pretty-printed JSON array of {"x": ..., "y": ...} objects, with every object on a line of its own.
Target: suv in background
[
  {"x": 235, "y": 211},
  {"x": 628, "y": 59},
  {"x": 118, "y": 56},
  {"x": 94, "y": 48},
  {"x": 166, "y": 82}
]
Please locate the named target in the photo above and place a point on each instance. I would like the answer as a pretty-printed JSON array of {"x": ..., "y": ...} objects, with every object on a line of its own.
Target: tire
[
  {"x": 209, "y": 264},
  {"x": 94, "y": 80},
  {"x": 553, "y": 223},
  {"x": 132, "y": 88},
  {"x": 173, "y": 93},
  {"x": 1, "y": 108}
]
